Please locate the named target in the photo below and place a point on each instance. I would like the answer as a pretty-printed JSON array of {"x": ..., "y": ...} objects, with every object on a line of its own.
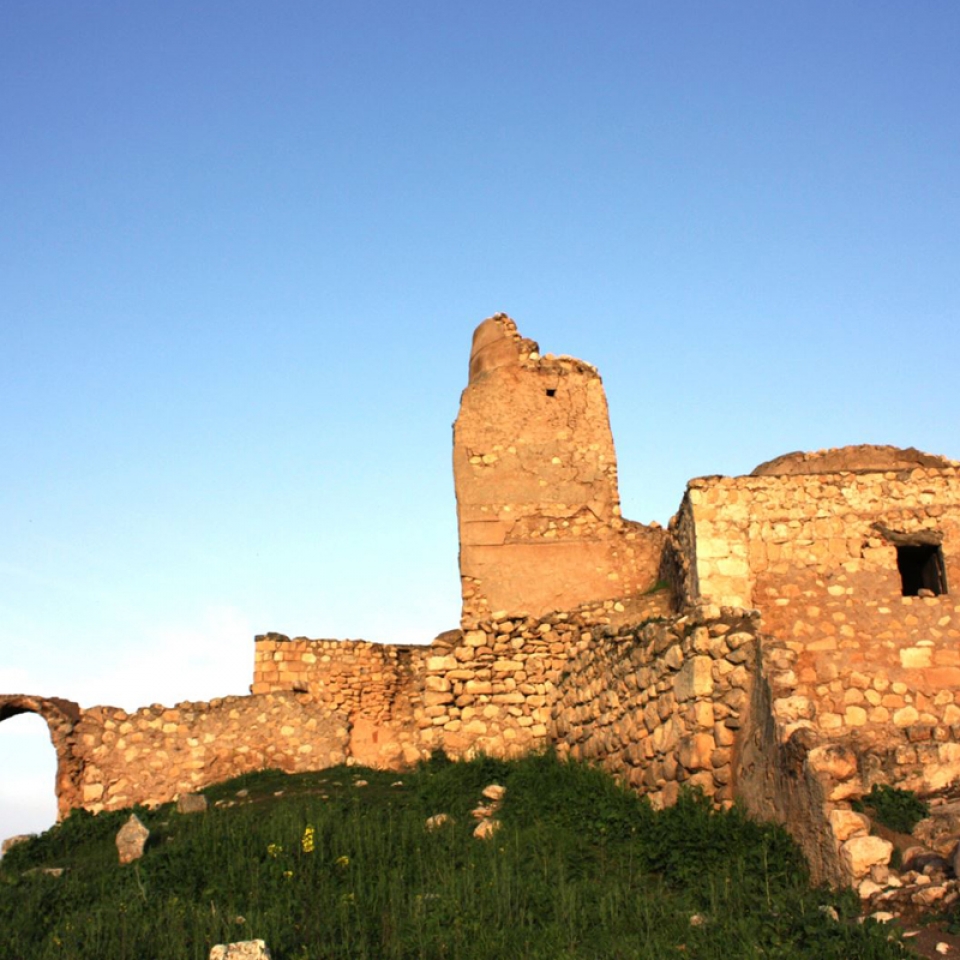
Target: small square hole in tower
[
  {"x": 921, "y": 568},
  {"x": 551, "y": 392}
]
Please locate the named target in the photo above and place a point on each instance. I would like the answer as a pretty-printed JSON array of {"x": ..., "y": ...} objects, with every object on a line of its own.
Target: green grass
[{"x": 579, "y": 869}]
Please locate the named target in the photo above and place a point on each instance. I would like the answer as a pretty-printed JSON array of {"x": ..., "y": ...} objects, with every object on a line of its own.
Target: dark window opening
[
  {"x": 921, "y": 568},
  {"x": 551, "y": 392}
]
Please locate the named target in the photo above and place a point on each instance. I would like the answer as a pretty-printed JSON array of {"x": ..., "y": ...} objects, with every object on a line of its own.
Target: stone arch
[{"x": 62, "y": 717}]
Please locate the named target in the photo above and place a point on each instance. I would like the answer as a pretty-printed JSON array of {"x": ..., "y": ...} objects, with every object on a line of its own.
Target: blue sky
[{"x": 245, "y": 246}]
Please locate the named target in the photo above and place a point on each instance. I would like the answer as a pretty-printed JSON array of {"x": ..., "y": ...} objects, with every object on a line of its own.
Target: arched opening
[
  {"x": 28, "y": 787},
  {"x": 23, "y": 800}
]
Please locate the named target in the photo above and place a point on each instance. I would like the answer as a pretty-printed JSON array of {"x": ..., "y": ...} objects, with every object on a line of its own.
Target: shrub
[{"x": 897, "y": 809}]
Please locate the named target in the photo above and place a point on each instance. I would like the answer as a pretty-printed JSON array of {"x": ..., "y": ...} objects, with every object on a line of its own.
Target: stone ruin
[{"x": 788, "y": 642}]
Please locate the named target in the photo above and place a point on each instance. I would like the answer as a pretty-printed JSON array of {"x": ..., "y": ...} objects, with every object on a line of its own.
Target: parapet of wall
[
  {"x": 661, "y": 704},
  {"x": 536, "y": 482}
]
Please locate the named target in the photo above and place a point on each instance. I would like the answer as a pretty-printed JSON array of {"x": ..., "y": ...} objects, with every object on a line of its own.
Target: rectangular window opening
[
  {"x": 551, "y": 392},
  {"x": 921, "y": 569}
]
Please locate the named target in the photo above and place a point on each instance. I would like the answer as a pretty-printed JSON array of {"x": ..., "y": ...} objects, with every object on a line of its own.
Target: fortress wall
[
  {"x": 860, "y": 683},
  {"x": 660, "y": 705},
  {"x": 494, "y": 690},
  {"x": 536, "y": 481},
  {"x": 379, "y": 682},
  {"x": 158, "y": 752}
]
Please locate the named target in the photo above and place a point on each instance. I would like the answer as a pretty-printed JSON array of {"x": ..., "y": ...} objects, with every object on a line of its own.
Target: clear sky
[{"x": 244, "y": 247}]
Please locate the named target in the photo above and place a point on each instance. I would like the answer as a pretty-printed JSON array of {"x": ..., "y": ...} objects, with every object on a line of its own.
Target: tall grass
[{"x": 579, "y": 869}]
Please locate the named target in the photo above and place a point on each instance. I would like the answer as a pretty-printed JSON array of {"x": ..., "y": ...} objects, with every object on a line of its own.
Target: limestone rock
[
  {"x": 848, "y": 823},
  {"x": 859, "y": 854},
  {"x": 486, "y": 829},
  {"x": 131, "y": 839},
  {"x": 438, "y": 820},
  {"x": 191, "y": 803},
  {"x": 242, "y": 950},
  {"x": 494, "y": 792}
]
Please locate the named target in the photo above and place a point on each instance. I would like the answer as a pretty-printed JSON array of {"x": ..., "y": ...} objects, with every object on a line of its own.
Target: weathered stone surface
[
  {"x": 191, "y": 803},
  {"x": 860, "y": 853},
  {"x": 848, "y": 823},
  {"x": 131, "y": 839},
  {"x": 866, "y": 457},
  {"x": 485, "y": 829},
  {"x": 536, "y": 484}
]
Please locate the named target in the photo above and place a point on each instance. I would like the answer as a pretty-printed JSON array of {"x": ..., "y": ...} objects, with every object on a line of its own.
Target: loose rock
[{"x": 131, "y": 839}]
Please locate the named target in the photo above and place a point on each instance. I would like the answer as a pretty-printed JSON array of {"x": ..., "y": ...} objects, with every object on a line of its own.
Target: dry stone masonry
[{"x": 790, "y": 641}]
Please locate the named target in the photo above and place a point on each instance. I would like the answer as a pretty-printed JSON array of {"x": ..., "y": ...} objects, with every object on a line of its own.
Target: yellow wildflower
[{"x": 307, "y": 841}]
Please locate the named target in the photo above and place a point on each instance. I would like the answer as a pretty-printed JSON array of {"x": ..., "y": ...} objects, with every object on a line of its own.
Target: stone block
[
  {"x": 848, "y": 823},
  {"x": 695, "y": 679},
  {"x": 860, "y": 853}
]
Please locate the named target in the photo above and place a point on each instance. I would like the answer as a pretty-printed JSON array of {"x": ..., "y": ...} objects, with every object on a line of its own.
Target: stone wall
[
  {"x": 535, "y": 472},
  {"x": 158, "y": 752},
  {"x": 817, "y": 555},
  {"x": 377, "y": 681},
  {"x": 748, "y": 539},
  {"x": 660, "y": 704},
  {"x": 860, "y": 684}
]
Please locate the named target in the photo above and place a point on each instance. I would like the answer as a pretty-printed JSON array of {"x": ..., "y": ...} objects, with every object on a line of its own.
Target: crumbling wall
[
  {"x": 152, "y": 755},
  {"x": 536, "y": 482},
  {"x": 376, "y": 681},
  {"x": 61, "y": 717},
  {"x": 494, "y": 690},
  {"x": 817, "y": 555},
  {"x": 660, "y": 704},
  {"x": 860, "y": 684}
]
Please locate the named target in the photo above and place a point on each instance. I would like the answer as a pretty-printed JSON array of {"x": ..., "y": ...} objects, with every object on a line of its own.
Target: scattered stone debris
[
  {"x": 13, "y": 841},
  {"x": 242, "y": 793},
  {"x": 486, "y": 829},
  {"x": 191, "y": 803},
  {"x": 242, "y": 950},
  {"x": 131, "y": 839},
  {"x": 397, "y": 783},
  {"x": 361, "y": 783},
  {"x": 438, "y": 820},
  {"x": 487, "y": 813}
]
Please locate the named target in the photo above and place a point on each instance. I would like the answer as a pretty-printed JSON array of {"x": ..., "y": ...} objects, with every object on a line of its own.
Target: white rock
[{"x": 242, "y": 950}]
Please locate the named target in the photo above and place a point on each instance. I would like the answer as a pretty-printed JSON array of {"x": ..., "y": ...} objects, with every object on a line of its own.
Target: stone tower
[{"x": 536, "y": 481}]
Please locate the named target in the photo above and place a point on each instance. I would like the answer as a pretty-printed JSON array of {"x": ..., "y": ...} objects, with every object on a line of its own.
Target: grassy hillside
[{"x": 322, "y": 867}]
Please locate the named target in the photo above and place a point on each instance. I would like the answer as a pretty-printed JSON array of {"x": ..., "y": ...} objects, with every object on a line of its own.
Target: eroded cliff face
[{"x": 536, "y": 481}]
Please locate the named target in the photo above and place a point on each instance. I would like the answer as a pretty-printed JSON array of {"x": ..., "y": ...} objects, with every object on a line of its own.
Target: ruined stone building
[{"x": 789, "y": 641}]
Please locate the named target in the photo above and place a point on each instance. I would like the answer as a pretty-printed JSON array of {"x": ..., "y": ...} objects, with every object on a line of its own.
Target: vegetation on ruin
[
  {"x": 322, "y": 867},
  {"x": 897, "y": 809}
]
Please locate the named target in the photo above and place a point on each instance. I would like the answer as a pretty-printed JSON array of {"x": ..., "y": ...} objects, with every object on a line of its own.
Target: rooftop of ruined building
[{"x": 859, "y": 458}]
